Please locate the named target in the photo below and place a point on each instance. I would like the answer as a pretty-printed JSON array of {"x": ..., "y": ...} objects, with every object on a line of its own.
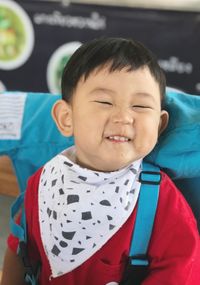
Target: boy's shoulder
[
  {"x": 172, "y": 203},
  {"x": 35, "y": 179}
]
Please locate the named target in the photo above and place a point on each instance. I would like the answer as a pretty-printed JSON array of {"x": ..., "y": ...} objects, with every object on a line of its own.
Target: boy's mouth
[{"x": 118, "y": 138}]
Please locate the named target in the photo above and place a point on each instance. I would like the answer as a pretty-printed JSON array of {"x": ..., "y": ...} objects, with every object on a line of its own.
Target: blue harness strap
[
  {"x": 137, "y": 267},
  {"x": 150, "y": 178},
  {"x": 20, "y": 231}
]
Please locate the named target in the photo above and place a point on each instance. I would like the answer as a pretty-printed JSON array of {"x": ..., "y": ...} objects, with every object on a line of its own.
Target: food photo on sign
[{"x": 16, "y": 35}]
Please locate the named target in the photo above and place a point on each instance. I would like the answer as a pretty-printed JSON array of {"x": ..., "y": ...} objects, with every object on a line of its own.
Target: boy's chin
[{"x": 108, "y": 167}]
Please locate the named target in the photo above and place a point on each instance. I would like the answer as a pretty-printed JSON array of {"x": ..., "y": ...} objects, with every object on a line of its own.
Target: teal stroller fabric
[
  {"x": 40, "y": 139},
  {"x": 178, "y": 149}
]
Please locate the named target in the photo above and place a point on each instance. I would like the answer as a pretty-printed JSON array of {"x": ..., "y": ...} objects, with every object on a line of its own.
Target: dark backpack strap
[
  {"x": 20, "y": 231},
  {"x": 137, "y": 268}
]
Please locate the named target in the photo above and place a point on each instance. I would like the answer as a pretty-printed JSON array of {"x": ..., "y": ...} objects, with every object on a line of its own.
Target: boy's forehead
[
  {"x": 100, "y": 77},
  {"x": 104, "y": 70}
]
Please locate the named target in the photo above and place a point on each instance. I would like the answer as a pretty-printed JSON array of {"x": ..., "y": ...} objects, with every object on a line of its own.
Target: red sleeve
[
  {"x": 175, "y": 246},
  {"x": 30, "y": 200},
  {"x": 12, "y": 241}
]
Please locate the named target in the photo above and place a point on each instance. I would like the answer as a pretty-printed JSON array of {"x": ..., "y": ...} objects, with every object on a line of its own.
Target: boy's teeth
[{"x": 118, "y": 138}]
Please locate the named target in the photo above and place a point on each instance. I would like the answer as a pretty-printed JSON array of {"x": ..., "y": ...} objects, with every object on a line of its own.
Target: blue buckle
[
  {"x": 150, "y": 177},
  {"x": 139, "y": 260}
]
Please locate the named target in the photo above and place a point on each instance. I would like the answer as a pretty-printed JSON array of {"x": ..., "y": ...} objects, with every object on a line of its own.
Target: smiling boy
[
  {"x": 114, "y": 116},
  {"x": 81, "y": 206}
]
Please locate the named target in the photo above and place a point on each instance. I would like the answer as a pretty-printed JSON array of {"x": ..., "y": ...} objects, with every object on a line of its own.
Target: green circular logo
[
  {"x": 56, "y": 65},
  {"x": 16, "y": 35}
]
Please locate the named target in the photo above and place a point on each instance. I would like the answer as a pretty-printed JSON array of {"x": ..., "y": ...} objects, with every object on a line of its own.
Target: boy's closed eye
[
  {"x": 103, "y": 102},
  {"x": 142, "y": 106},
  {"x": 134, "y": 106}
]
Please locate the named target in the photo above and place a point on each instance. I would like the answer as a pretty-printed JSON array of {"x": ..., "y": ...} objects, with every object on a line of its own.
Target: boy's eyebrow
[
  {"x": 110, "y": 91},
  {"x": 105, "y": 90},
  {"x": 145, "y": 95}
]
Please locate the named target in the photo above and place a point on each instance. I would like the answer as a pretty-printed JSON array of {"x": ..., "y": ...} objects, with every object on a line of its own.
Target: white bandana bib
[{"x": 81, "y": 209}]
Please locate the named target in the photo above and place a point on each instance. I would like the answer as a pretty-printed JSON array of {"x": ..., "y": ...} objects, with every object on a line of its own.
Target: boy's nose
[{"x": 122, "y": 116}]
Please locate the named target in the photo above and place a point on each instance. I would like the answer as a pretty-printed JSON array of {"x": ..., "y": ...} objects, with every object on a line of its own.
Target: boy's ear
[
  {"x": 62, "y": 115},
  {"x": 164, "y": 119}
]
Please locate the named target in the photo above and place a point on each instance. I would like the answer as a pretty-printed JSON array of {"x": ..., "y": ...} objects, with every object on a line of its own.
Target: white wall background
[{"x": 186, "y": 5}]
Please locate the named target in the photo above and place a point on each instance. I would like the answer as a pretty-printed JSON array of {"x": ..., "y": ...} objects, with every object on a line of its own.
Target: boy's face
[{"x": 115, "y": 118}]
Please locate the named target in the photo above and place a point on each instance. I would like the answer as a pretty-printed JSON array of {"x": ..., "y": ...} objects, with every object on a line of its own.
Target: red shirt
[{"x": 174, "y": 249}]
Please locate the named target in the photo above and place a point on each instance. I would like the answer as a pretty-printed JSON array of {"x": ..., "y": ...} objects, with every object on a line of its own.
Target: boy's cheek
[{"x": 145, "y": 144}]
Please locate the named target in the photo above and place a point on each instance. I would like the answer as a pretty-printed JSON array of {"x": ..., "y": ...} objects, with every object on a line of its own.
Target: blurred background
[{"x": 38, "y": 37}]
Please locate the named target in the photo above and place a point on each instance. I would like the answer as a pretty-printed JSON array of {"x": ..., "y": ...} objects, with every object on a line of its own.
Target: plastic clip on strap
[
  {"x": 20, "y": 231},
  {"x": 31, "y": 274},
  {"x": 150, "y": 179}
]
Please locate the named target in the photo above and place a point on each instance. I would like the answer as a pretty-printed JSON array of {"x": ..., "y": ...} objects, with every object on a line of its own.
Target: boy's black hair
[{"x": 118, "y": 53}]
